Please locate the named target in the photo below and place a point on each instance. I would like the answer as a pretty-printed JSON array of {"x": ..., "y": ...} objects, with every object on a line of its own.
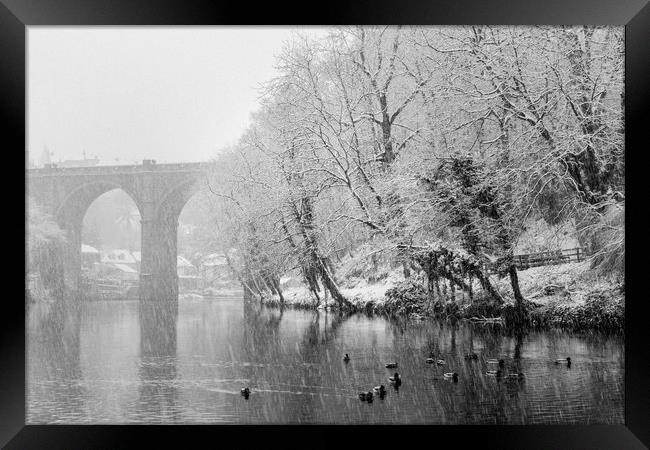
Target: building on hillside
[
  {"x": 108, "y": 281},
  {"x": 214, "y": 267},
  {"x": 115, "y": 271},
  {"x": 125, "y": 265},
  {"x": 120, "y": 256},
  {"x": 138, "y": 258},
  {"x": 185, "y": 268},
  {"x": 89, "y": 256},
  {"x": 188, "y": 275},
  {"x": 133, "y": 259}
]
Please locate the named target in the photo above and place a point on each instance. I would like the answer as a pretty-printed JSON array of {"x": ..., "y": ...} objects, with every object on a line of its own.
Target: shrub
[
  {"x": 599, "y": 312},
  {"x": 407, "y": 297},
  {"x": 483, "y": 307}
]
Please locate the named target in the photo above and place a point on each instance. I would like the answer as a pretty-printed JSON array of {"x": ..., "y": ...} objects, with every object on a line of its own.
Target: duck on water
[
  {"x": 395, "y": 380},
  {"x": 366, "y": 396},
  {"x": 381, "y": 390},
  {"x": 451, "y": 376},
  {"x": 500, "y": 362},
  {"x": 515, "y": 376}
]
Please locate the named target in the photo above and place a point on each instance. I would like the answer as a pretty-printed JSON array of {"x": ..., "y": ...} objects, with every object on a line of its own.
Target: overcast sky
[{"x": 134, "y": 93}]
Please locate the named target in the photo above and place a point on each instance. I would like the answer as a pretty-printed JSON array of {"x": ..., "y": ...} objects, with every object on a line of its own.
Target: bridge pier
[
  {"x": 158, "y": 266},
  {"x": 72, "y": 259},
  {"x": 70, "y": 221}
]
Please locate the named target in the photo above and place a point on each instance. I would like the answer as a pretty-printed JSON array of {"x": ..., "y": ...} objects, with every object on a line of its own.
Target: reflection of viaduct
[{"x": 159, "y": 190}]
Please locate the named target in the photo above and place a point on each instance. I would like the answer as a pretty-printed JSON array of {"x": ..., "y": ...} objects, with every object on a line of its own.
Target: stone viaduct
[{"x": 159, "y": 190}]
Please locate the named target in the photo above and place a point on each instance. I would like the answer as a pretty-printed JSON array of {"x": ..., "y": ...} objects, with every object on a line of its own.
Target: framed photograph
[{"x": 404, "y": 216}]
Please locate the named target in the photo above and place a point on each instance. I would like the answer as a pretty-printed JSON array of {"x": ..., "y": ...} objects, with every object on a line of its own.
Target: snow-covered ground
[
  {"x": 569, "y": 284},
  {"x": 566, "y": 284}
]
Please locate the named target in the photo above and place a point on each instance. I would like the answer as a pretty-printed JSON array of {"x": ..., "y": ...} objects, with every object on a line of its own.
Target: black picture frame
[{"x": 16, "y": 15}]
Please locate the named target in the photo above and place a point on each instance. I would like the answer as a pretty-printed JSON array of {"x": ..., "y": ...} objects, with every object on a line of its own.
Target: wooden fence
[{"x": 548, "y": 258}]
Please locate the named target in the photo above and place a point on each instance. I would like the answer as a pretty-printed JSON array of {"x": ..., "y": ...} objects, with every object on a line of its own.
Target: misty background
[
  {"x": 118, "y": 95},
  {"x": 127, "y": 94}
]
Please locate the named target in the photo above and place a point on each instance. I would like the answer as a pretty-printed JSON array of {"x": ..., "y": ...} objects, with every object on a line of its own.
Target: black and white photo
[{"x": 325, "y": 225}]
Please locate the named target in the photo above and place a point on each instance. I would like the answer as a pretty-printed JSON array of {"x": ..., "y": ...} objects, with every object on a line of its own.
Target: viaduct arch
[{"x": 159, "y": 190}]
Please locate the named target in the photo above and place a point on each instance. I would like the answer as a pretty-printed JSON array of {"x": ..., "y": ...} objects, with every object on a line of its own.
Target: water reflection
[
  {"x": 53, "y": 359},
  {"x": 260, "y": 332},
  {"x": 125, "y": 362},
  {"x": 158, "y": 328},
  {"x": 157, "y": 387}
]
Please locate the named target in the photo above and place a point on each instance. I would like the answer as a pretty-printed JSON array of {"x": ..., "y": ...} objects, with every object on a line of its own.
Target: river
[{"x": 119, "y": 362}]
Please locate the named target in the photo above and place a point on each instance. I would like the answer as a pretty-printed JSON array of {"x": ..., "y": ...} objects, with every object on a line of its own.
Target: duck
[
  {"x": 369, "y": 396},
  {"x": 441, "y": 362},
  {"x": 566, "y": 361},
  {"x": 494, "y": 373},
  {"x": 346, "y": 358},
  {"x": 245, "y": 392},
  {"x": 430, "y": 360},
  {"x": 395, "y": 379},
  {"x": 471, "y": 356},
  {"x": 391, "y": 365},
  {"x": 452, "y": 375},
  {"x": 381, "y": 391},
  {"x": 362, "y": 395},
  {"x": 515, "y": 375},
  {"x": 500, "y": 362}
]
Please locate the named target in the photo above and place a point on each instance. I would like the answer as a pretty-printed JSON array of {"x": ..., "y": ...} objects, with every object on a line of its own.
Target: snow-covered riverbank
[{"x": 566, "y": 295}]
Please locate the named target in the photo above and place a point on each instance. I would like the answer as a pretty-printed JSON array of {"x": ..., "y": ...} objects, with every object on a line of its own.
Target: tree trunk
[
  {"x": 514, "y": 282},
  {"x": 278, "y": 289},
  {"x": 406, "y": 270},
  {"x": 330, "y": 284},
  {"x": 487, "y": 286}
]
